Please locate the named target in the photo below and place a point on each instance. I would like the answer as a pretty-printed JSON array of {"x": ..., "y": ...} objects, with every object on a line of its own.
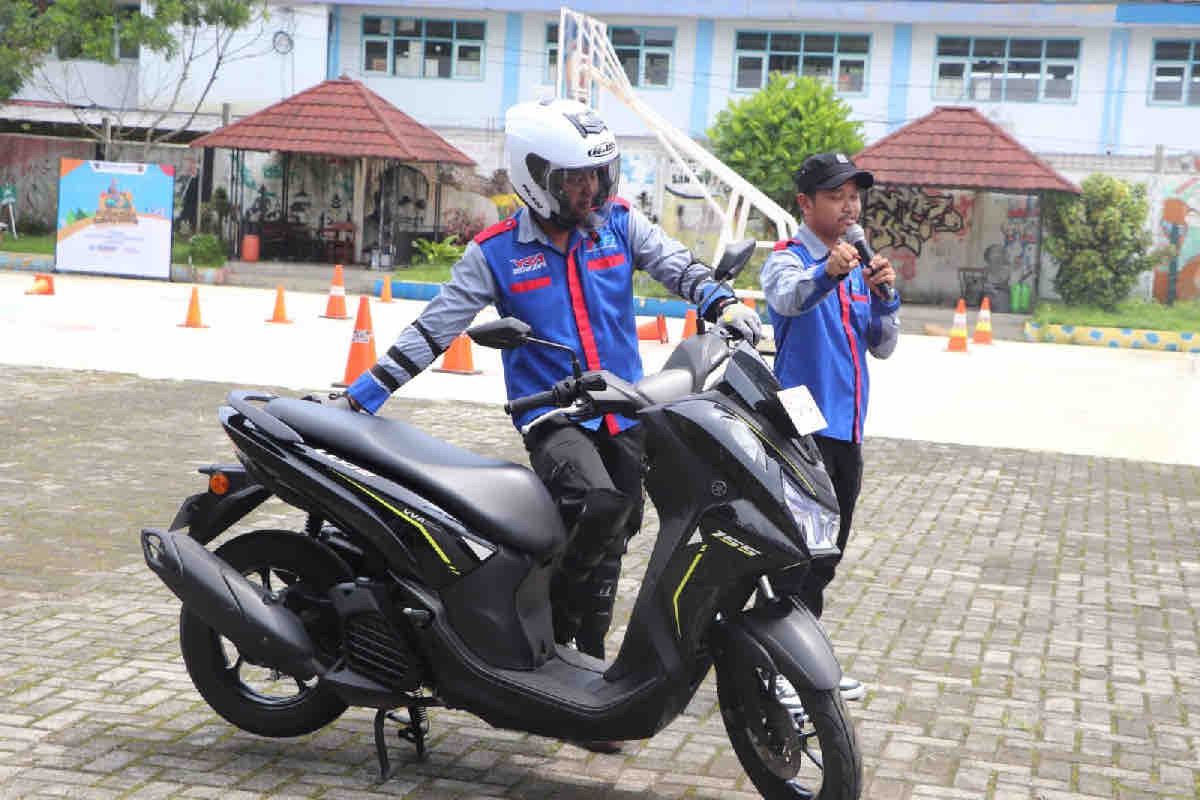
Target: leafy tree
[
  {"x": 1100, "y": 241},
  {"x": 21, "y": 45},
  {"x": 766, "y": 137},
  {"x": 196, "y": 39}
]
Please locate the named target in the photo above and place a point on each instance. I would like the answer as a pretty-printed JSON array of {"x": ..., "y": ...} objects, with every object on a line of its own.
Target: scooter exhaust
[{"x": 266, "y": 633}]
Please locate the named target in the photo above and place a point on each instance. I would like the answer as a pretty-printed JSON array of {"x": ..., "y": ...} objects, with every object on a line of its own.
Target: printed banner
[{"x": 115, "y": 218}]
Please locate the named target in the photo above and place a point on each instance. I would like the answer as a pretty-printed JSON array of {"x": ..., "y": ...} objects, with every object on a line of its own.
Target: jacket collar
[{"x": 815, "y": 247}]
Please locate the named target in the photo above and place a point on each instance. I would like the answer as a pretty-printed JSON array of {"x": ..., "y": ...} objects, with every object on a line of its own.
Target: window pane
[
  {"x": 953, "y": 46},
  {"x": 852, "y": 75},
  {"x": 1025, "y": 48},
  {"x": 1193, "y": 98},
  {"x": 408, "y": 27},
  {"x": 1060, "y": 82},
  {"x": 787, "y": 42},
  {"x": 552, "y": 34},
  {"x": 853, "y": 44},
  {"x": 820, "y": 67},
  {"x": 629, "y": 62},
  {"x": 782, "y": 62},
  {"x": 659, "y": 37},
  {"x": 749, "y": 72},
  {"x": 552, "y": 66},
  {"x": 373, "y": 25},
  {"x": 986, "y": 80},
  {"x": 375, "y": 56},
  {"x": 1168, "y": 84},
  {"x": 405, "y": 58},
  {"x": 751, "y": 41},
  {"x": 1172, "y": 51},
  {"x": 951, "y": 80},
  {"x": 989, "y": 47},
  {"x": 1061, "y": 49},
  {"x": 439, "y": 30},
  {"x": 469, "y": 30},
  {"x": 470, "y": 61},
  {"x": 625, "y": 36},
  {"x": 818, "y": 43},
  {"x": 658, "y": 69},
  {"x": 1021, "y": 82},
  {"x": 437, "y": 59}
]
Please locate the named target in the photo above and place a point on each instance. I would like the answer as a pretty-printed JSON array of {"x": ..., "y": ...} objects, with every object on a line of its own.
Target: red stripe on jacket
[
  {"x": 579, "y": 308},
  {"x": 530, "y": 285},
  {"x": 844, "y": 297}
]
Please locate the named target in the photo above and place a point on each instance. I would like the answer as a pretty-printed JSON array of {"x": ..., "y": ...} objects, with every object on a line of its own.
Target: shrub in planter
[
  {"x": 437, "y": 253},
  {"x": 207, "y": 250}
]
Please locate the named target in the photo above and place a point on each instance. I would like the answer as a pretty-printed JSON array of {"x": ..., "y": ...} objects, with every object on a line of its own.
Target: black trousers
[
  {"x": 844, "y": 463},
  {"x": 596, "y": 480}
]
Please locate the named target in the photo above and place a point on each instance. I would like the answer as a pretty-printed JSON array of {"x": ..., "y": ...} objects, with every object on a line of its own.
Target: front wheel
[
  {"x": 814, "y": 755},
  {"x": 258, "y": 699}
]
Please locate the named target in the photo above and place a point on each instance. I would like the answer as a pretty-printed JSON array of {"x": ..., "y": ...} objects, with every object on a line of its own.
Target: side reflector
[{"x": 218, "y": 483}]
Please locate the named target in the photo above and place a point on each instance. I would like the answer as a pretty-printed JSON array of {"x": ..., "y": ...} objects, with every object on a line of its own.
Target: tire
[
  {"x": 773, "y": 773},
  {"x": 243, "y": 694}
]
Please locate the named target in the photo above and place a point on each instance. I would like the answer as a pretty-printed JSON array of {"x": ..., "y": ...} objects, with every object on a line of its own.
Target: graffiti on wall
[
  {"x": 905, "y": 218},
  {"x": 1180, "y": 228},
  {"x": 31, "y": 164}
]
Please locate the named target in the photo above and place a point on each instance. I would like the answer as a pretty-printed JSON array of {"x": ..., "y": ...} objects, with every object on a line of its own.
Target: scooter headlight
[{"x": 818, "y": 524}]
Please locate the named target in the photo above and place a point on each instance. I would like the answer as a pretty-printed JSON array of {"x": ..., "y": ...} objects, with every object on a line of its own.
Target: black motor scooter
[{"x": 422, "y": 576}]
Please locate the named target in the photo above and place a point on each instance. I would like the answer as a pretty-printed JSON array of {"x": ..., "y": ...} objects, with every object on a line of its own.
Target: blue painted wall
[
  {"x": 512, "y": 61},
  {"x": 900, "y": 76},
  {"x": 335, "y": 41},
  {"x": 1114, "y": 91},
  {"x": 701, "y": 73}
]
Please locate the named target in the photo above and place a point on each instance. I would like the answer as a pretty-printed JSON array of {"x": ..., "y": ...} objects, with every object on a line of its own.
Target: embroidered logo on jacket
[{"x": 523, "y": 266}]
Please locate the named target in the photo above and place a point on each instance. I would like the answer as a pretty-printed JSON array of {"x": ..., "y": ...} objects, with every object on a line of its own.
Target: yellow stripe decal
[
  {"x": 407, "y": 518},
  {"x": 761, "y": 435},
  {"x": 678, "y": 591}
]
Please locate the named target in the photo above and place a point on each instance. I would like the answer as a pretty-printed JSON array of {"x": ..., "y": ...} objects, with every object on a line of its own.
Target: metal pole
[
  {"x": 1037, "y": 259},
  {"x": 437, "y": 202}
]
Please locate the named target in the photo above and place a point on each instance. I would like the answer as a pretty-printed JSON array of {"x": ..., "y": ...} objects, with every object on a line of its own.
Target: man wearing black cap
[{"x": 829, "y": 311}]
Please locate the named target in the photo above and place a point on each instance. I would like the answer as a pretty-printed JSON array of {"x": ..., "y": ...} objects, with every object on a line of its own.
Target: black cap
[{"x": 829, "y": 171}]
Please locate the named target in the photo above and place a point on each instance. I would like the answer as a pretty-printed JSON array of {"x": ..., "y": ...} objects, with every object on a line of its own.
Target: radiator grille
[{"x": 374, "y": 651}]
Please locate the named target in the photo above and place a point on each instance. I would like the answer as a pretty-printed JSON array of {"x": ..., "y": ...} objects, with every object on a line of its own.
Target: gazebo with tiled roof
[
  {"x": 956, "y": 148},
  {"x": 338, "y": 118}
]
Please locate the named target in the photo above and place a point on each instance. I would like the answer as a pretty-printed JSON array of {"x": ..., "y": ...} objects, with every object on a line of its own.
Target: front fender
[{"x": 788, "y": 636}]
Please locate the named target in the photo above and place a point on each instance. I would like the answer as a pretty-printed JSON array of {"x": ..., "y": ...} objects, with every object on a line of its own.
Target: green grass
[
  {"x": 42, "y": 245},
  {"x": 1183, "y": 316},
  {"x": 424, "y": 273}
]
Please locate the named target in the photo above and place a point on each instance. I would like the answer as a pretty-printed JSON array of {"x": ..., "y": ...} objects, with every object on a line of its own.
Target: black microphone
[{"x": 856, "y": 236}]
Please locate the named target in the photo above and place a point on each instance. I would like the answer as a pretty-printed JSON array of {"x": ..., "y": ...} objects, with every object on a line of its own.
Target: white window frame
[
  {"x": 766, "y": 53},
  {"x": 1191, "y": 72},
  {"x": 419, "y": 40},
  {"x": 643, "y": 49},
  {"x": 1046, "y": 63}
]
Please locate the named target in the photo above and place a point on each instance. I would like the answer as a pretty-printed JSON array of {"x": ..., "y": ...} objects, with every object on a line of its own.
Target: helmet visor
[{"x": 584, "y": 193}]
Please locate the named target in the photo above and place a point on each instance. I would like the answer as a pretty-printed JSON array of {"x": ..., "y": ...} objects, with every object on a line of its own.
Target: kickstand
[{"x": 413, "y": 730}]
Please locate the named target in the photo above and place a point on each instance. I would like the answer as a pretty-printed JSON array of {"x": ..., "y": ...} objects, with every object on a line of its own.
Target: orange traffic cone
[
  {"x": 983, "y": 323},
  {"x": 385, "y": 294},
  {"x": 689, "y": 324},
  {"x": 654, "y": 331},
  {"x": 458, "y": 358},
  {"x": 958, "y": 331},
  {"x": 751, "y": 303},
  {"x": 42, "y": 284},
  {"x": 280, "y": 314},
  {"x": 336, "y": 307},
  {"x": 193, "y": 312},
  {"x": 362, "y": 345}
]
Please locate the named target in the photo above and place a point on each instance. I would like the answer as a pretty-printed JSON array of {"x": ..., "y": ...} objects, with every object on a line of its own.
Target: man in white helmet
[{"x": 564, "y": 264}]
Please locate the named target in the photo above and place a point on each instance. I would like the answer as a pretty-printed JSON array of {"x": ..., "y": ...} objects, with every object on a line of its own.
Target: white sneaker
[
  {"x": 786, "y": 694},
  {"x": 851, "y": 689}
]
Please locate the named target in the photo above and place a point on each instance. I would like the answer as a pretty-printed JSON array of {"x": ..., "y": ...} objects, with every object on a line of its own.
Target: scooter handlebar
[{"x": 532, "y": 401}]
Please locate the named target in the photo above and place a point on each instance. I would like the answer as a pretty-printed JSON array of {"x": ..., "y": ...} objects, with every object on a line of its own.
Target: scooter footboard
[
  {"x": 265, "y": 632},
  {"x": 790, "y": 636}
]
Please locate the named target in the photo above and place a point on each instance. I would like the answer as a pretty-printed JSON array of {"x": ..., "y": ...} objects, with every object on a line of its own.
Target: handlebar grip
[{"x": 530, "y": 402}]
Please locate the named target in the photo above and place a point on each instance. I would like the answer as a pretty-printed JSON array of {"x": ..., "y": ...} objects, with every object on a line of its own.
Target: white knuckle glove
[{"x": 741, "y": 321}]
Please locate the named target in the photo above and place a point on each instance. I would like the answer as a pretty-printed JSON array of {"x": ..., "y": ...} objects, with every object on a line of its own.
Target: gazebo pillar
[{"x": 358, "y": 205}]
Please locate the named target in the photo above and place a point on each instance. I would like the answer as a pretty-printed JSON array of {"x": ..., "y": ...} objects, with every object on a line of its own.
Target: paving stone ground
[{"x": 1027, "y": 625}]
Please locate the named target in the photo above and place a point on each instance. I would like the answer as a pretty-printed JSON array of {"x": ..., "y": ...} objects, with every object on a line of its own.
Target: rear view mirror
[
  {"x": 734, "y": 259},
  {"x": 501, "y": 334}
]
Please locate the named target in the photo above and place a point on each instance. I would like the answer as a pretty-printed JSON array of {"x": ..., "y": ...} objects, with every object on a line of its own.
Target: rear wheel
[
  {"x": 788, "y": 758},
  {"x": 259, "y": 699}
]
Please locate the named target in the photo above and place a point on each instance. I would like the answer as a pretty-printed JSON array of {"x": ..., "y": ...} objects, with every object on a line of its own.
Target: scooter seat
[{"x": 501, "y": 501}]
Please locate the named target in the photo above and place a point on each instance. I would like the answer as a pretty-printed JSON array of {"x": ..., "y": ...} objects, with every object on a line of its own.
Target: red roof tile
[
  {"x": 339, "y": 117},
  {"x": 957, "y": 147}
]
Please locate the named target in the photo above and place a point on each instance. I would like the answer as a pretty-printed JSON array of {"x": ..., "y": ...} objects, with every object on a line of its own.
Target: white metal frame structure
[{"x": 586, "y": 59}]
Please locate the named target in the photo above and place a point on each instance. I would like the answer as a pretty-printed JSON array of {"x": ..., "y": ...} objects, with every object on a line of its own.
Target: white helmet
[{"x": 547, "y": 141}]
